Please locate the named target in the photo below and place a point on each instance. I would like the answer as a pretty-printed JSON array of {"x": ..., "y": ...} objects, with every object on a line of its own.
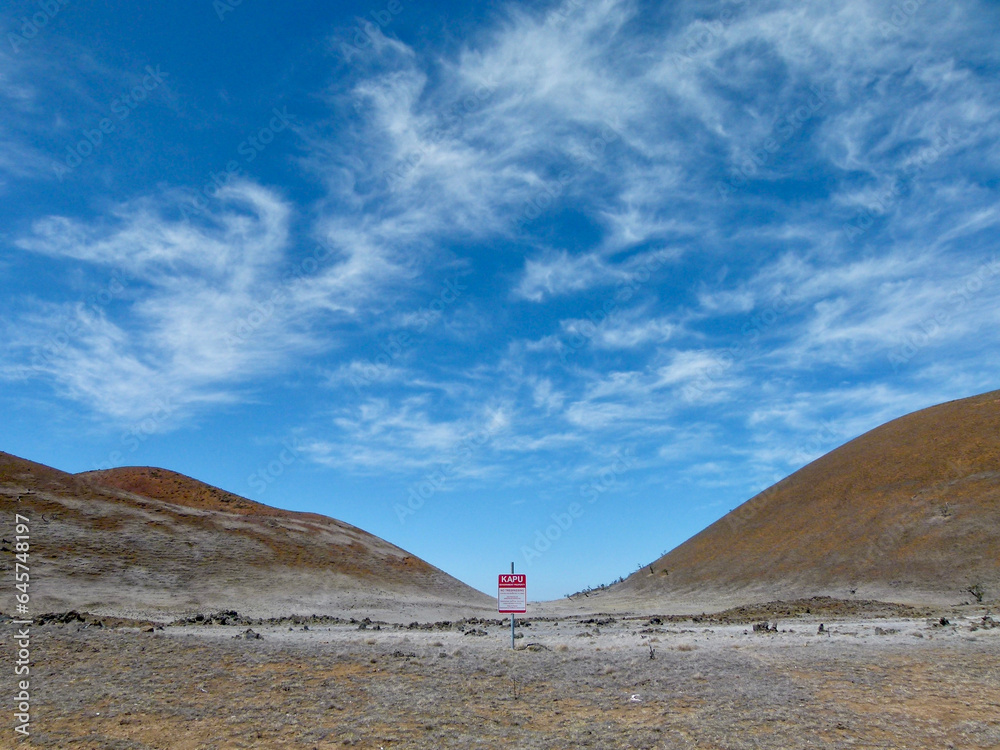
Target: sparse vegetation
[
  {"x": 194, "y": 685},
  {"x": 977, "y": 591},
  {"x": 600, "y": 587}
]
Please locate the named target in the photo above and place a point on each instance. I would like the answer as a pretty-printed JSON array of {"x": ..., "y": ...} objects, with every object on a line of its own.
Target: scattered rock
[
  {"x": 249, "y": 635},
  {"x": 987, "y": 623},
  {"x": 63, "y": 618},
  {"x": 92, "y": 621}
]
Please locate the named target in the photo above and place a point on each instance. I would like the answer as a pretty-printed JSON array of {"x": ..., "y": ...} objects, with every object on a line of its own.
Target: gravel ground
[{"x": 584, "y": 682}]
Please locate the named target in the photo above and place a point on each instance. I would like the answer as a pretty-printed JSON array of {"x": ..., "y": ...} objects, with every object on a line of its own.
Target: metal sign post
[
  {"x": 512, "y": 616},
  {"x": 512, "y": 596}
]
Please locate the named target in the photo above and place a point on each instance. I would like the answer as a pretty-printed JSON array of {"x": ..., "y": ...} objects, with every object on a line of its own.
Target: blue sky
[{"x": 470, "y": 276}]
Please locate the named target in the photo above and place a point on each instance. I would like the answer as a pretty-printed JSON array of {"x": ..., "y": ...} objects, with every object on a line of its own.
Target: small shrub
[{"x": 977, "y": 591}]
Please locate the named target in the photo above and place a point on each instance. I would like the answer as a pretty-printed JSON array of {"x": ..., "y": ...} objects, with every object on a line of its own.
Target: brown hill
[
  {"x": 154, "y": 543},
  {"x": 171, "y": 487},
  {"x": 908, "y": 512}
]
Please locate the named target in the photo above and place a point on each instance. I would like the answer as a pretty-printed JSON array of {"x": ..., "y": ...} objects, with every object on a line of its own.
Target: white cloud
[
  {"x": 631, "y": 330},
  {"x": 378, "y": 436},
  {"x": 547, "y": 397},
  {"x": 232, "y": 244},
  {"x": 206, "y": 304},
  {"x": 563, "y": 274},
  {"x": 558, "y": 274},
  {"x": 568, "y": 152},
  {"x": 199, "y": 303}
]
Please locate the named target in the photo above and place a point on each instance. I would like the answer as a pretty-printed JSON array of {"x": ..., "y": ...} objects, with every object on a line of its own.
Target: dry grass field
[{"x": 865, "y": 682}]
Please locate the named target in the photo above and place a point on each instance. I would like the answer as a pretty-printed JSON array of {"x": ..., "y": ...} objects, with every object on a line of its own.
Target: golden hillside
[{"x": 907, "y": 511}]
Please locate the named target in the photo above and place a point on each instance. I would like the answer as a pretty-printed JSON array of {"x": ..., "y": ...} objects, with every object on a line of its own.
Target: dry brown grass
[
  {"x": 187, "y": 688},
  {"x": 908, "y": 509},
  {"x": 171, "y": 487}
]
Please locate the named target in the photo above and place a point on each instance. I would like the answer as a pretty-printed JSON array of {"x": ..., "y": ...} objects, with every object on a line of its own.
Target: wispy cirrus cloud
[
  {"x": 814, "y": 96},
  {"x": 208, "y": 304},
  {"x": 703, "y": 230},
  {"x": 171, "y": 334}
]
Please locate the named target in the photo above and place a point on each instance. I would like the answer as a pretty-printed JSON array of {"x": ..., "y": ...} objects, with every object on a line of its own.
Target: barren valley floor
[{"x": 585, "y": 682}]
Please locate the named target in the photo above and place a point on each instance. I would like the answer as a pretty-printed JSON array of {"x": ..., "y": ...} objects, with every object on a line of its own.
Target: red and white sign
[{"x": 512, "y": 593}]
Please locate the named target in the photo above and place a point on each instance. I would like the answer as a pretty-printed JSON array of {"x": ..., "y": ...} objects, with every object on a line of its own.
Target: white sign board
[{"x": 512, "y": 593}]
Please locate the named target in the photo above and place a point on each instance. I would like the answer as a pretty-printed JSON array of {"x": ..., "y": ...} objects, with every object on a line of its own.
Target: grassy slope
[{"x": 912, "y": 506}]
